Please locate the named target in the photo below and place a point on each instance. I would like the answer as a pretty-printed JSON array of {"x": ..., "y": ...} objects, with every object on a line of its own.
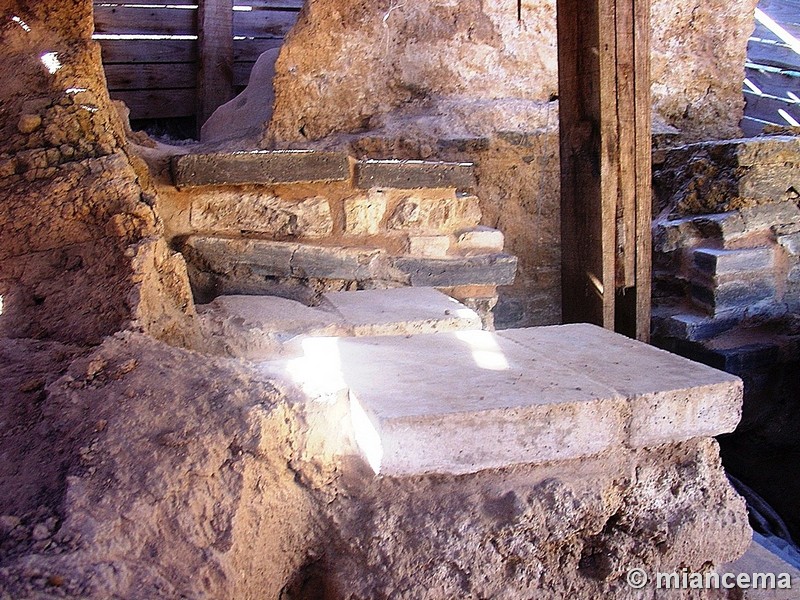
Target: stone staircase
[
  {"x": 301, "y": 223},
  {"x": 371, "y": 242}
]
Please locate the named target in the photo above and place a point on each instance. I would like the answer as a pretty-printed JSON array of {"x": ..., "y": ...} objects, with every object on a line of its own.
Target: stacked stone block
[{"x": 255, "y": 221}]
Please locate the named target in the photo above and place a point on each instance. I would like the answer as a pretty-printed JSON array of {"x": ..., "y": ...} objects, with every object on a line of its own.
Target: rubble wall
[{"x": 80, "y": 255}]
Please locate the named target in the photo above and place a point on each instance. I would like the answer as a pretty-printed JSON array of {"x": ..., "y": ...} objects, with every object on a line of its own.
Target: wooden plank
[
  {"x": 587, "y": 213},
  {"x": 626, "y": 117},
  {"x": 151, "y": 76},
  {"x": 263, "y": 23},
  {"x": 148, "y": 51},
  {"x": 158, "y": 104},
  {"x": 773, "y": 55},
  {"x": 144, "y": 21},
  {"x": 250, "y": 49},
  {"x": 215, "y": 53},
  {"x": 766, "y": 108},
  {"x": 270, "y": 4},
  {"x": 644, "y": 169}
]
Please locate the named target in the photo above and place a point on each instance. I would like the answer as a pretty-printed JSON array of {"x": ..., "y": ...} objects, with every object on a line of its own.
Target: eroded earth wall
[{"x": 81, "y": 255}]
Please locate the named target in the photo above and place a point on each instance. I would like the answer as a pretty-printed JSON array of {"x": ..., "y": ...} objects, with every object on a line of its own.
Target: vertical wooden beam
[
  {"x": 215, "y": 56},
  {"x": 644, "y": 170},
  {"x": 587, "y": 127},
  {"x": 604, "y": 99}
]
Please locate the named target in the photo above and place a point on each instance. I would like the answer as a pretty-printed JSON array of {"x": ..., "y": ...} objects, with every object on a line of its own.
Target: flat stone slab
[
  {"x": 259, "y": 167},
  {"x": 402, "y": 311},
  {"x": 264, "y": 327},
  {"x": 473, "y": 400},
  {"x": 283, "y": 259},
  {"x": 670, "y": 397},
  {"x": 414, "y": 174}
]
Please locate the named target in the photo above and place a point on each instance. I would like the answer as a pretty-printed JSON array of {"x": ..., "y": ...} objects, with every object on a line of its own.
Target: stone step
[
  {"x": 259, "y": 167},
  {"x": 248, "y": 265},
  {"x": 414, "y": 174},
  {"x": 261, "y": 327},
  {"x": 731, "y": 264},
  {"x": 473, "y": 400},
  {"x": 264, "y": 167}
]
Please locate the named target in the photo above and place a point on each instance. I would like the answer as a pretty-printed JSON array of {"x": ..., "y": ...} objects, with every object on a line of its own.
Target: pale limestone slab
[
  {"x": 467, "y": 401},
  {"x": 671, "y": 398},
  {"x": 402, "y": 311}
]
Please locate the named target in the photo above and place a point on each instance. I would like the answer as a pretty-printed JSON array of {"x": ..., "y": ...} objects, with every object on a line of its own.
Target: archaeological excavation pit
[{"x": 432, "y": 300}]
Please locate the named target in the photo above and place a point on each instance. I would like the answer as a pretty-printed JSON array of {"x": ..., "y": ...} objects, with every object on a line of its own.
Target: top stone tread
[
  {"x": 259, "y": 167},
  {"x": 414, "y": 174}
]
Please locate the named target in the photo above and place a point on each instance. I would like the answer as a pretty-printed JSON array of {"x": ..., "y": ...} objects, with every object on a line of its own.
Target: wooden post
[
  {"x": 215, "y": 57},
  {"x": 604, "y": 111}
]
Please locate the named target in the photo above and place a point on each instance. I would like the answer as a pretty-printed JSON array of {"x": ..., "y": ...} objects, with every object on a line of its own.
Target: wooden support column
[
  {"x": 215, "y": 56},
  {"x": 604, "y": 111}
]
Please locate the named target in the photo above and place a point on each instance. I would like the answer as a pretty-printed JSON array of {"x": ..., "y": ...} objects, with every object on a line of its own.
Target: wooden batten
[{"x": 604, "y": 98}]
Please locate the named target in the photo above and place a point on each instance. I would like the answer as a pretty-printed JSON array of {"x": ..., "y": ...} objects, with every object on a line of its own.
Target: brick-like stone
[
  {"x": 445, "y": 214},
  {"x": 414, "y": 174},
  {"x": 716, "y": 263},
  {"x": 764, "y": 216},
  {"x": 692, "y": 327},
  {"x": 363, "y": 215},
  {"x": 259, "y": 167},
  {"x": 497, "y": 269},
  {"x": 735, "y": 297},
  {"x": 430, "y": 246},
  {"x": 726, "y": 227},
  {"x": 281, "y": 259},
  {"x": 225, "y": 211},
  {"x": 480, "y": 238},
  {"x": 321, "y": 262}
]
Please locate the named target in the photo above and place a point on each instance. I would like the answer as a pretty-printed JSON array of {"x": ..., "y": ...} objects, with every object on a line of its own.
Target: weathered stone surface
[
  {"x": 282, "y": 259},
  {"x": 496, "y": 269},
  {"x": 363, "y": 215},
  {"x": 402, "y": 311},
  {"x": 467, "y": 401},
  {"x": 713, "y": 262},
  {"x": 735, "y": 297},
  {"x": 225, "y": 211},
  {"x": 430, "y": 246},
  {"x": 245, "y": 115},
  {"x": 790, "y": 243},
  {"x": 692, "y": 327},
  {"x": 480, "y": 238},
  {"x": 671, "y": 398},
  {"x": 259, "y": 327},
  {"x": 765, "y": 216},
  {"x": 414, "y": 174},
  {"x": 259, "y": 166},
  {"x": 520, "y": 396},
  {"x": 80, "y": 254},
  {"x": 391, "y": 61},
  {"x": 443, "y": 214},
  {"x": 717, "y": 177}
]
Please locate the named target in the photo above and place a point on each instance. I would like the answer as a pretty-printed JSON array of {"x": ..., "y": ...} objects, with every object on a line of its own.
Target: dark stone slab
[
  {"x": 265, "y": 258},
  {"x": 499, "y": 269},
  {"x": 734, "y": 296},
  {"x": 715, "y": 262},
  {"x": 259, "y": 167},
  {"x": 414, "y": 174}
]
